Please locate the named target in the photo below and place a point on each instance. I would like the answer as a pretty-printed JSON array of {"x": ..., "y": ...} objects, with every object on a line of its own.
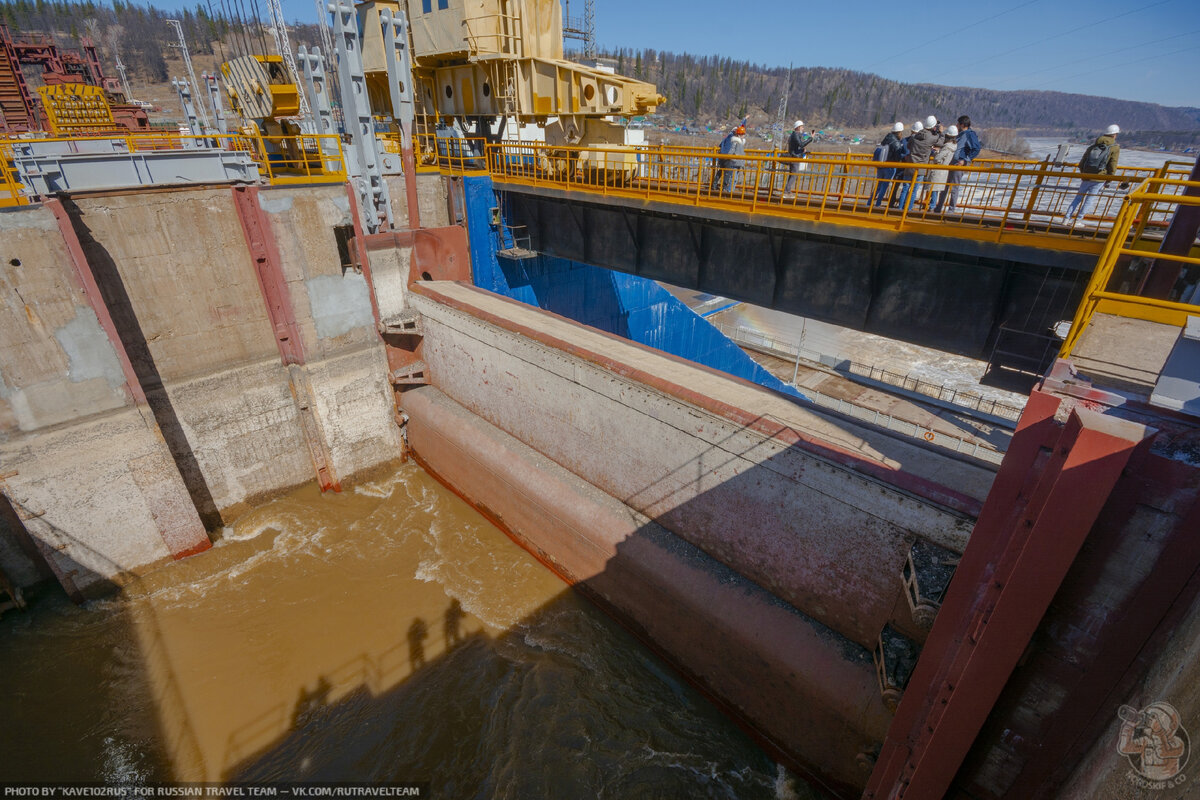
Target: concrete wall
[
  {"x": 92, "y": 487},
  {"x": 226, "y": 421},
  {"x": 810, "y": 524},
  {"x": 431, "y": 197},
  {"x": 755, "y": 542}
]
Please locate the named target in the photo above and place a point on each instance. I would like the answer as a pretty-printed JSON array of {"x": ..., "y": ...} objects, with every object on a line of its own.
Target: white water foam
[{"x": 120, "y": 765}]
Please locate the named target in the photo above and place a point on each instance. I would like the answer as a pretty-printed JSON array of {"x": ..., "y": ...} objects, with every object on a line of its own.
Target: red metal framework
[
  {"x": 18, "y": 111},
  {"x": 268, "y": 268},
  {"x": 1046, "y": 499}
]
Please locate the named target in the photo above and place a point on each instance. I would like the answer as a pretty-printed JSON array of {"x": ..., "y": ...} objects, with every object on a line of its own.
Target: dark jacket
[
  {"x": 797, "y": 143},
  {"x": 920, "y": 146},
  {"x": 897, "y": 150},
  {"x": 968, "y": 147}
]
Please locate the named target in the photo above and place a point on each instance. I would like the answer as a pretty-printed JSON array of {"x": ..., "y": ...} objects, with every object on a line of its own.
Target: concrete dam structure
[
  {"x": 280, "y": 310},
  {"x": 173, "y": 357}
]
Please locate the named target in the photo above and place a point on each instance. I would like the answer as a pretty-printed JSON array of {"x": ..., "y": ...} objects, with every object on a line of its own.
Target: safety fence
[
  {"x": 281, "y": 160},
  {"x": 12, "y": 191},
  {"x": 450, "y": 155},
  {"x": 799, "y": 350},
  {"x": 1128, "y": 281},
  {"x": 1011, "y": 201}
]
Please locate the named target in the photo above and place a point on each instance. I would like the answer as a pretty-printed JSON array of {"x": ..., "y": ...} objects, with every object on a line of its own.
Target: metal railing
[
  {"x": 1010, "y": 201},
  {"x": 1121, "y": 274},
  {"x": 12, "y": 192},
  {"x": 452, "y": 155},
  {"x": 966, "y": 399},
  {"x": 282, "y": 160},
  {"x": 315, "y": 158}
]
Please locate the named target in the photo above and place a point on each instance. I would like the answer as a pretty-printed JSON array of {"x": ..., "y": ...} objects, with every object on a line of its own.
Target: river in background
[{"x": 385, "y": 633}]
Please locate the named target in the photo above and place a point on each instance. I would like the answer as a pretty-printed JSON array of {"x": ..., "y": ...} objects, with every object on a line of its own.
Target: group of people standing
[{"x": 927, "y": 143}]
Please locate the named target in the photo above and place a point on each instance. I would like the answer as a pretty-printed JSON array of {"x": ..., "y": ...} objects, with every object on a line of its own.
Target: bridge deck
[{"x": 1019, "y": 203}]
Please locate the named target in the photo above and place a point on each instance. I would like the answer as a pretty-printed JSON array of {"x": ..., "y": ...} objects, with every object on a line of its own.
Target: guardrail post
[{"x": 1036, "y": 190}]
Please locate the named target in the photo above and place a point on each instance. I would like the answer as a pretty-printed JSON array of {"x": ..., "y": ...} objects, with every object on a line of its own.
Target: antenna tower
[
  {"x": 187, "y": 60},
  {"x": 582, "y": 29},
  {"x": 781, "y": 112}
]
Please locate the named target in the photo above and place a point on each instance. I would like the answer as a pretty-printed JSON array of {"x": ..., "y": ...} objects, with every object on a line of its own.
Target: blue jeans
[
  {"x": 883, "y": 177},
  {"x": 1085, "y": 199}
]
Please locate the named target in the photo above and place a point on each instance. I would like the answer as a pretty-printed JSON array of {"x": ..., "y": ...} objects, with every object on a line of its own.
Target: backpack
[
  {"x": 881, "y": 153},
  {"x": 1095, "y": 158}
]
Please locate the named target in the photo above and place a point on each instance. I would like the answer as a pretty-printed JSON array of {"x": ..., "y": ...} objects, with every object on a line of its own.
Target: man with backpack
[
  {"x": 798, "y": 144},
  {"x": 1100, "y": 158},
  {"x": 893, "y": 150}
]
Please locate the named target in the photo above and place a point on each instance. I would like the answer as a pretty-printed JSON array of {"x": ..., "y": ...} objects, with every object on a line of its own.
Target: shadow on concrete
[{"x": 116, "y": 298}]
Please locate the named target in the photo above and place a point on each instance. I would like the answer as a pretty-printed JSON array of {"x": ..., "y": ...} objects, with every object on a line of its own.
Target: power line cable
[
  {"x": 1122, "y": 64},
  {"x": 1104, "y": 54},
  {"x": 977, "y": 62},
  {"x": 923, "y": 45}
]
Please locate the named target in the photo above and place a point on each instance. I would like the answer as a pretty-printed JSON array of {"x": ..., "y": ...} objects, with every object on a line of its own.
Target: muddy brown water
[{"x": 385, "y": 633}]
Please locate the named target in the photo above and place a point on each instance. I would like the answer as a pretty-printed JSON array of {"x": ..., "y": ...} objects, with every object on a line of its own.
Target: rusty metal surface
[
  {"x": 269, "y": 270},
  {"x": 996, "y": 624},
  {"x": 1122, "y": 594}
]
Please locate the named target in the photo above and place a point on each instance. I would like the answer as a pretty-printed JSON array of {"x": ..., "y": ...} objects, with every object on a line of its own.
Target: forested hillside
[
  {"x": 720, "y": 88},
  {"x": 703, "y": 89}
]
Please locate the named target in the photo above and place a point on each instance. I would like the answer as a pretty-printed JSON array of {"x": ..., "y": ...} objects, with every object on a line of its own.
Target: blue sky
[{"x": 1131, "y": 49}]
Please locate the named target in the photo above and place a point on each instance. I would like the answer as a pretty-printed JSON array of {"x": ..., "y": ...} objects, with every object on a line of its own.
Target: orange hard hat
[{"x": 740, "y": 130}]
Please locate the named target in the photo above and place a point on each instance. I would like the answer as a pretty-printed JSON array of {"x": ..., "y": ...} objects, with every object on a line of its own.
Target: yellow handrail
[
  {"x": 11, "y": 189},
  {"x": 290, "y": 159},
  {"x": 1160, "y": 197},
  {"x": 1018, "y": 202}
]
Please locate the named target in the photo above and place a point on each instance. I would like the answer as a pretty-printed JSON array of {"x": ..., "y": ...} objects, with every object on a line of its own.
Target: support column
[
  {"x": 1005, "y": 585},
  {"x": 268, "y": 268}
]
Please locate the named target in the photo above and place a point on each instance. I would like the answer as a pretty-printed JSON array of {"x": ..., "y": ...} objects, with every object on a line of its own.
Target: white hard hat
[
  {"x": 952, "y": 131},
  {"x": 897, "y": 127},
  {"x": 930, "y": 121},
  {"x": 799, "y": 124},
  {"x": 917, "y": 127},
  {"x": 1112, "y": 130}
]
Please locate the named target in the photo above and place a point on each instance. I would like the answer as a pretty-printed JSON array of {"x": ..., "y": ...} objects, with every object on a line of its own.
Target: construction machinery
[
  {"x": 84, "y": 99},
  {"x": 503, "y": 60},
  {"x": 263, "y": 91}
]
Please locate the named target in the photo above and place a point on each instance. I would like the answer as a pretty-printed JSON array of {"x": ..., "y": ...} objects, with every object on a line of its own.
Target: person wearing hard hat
[
  {"x": 798, "y": 144},
  {"x": 920, "y": 147},
  {"x": 733, "y": 147},
  {"x": 932, "y": 124},
  {"x": 938, "y": 178},
  {"x": 893, "y": 150},
  {"x": 1100, "y": 158}
]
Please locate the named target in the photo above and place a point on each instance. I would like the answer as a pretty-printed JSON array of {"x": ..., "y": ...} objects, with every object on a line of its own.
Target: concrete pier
[{"x": 144, "y": 400}]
